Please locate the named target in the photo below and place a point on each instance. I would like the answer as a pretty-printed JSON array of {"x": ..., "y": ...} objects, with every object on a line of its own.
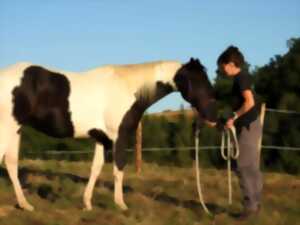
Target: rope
[
  {"x": 197, "y": 169},
  {"x": 229, "y": 136}
]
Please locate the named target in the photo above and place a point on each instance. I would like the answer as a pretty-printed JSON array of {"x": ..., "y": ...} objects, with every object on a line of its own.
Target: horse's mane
[{"x": 146, "y": 75}]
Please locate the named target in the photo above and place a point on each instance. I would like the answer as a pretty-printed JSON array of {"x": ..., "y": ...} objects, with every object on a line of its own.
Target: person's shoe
[{"x": 248, "y": 213}]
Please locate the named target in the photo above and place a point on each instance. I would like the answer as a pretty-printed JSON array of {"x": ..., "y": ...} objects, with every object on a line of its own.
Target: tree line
[{"x": 277, "y": 84}]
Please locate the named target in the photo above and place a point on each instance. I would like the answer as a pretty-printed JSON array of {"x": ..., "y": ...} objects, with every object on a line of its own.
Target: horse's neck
[
  {"x": 158, "y": 84},
  {"x": 148, "y": 82}
]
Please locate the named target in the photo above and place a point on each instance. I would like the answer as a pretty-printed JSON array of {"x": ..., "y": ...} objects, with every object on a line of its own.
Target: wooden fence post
[
  {"x": 138, "y": 148},
  {"x": 262, "y": 119}
]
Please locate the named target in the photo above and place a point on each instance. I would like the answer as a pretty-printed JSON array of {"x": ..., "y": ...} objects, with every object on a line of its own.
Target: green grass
[{"x": 160, "y": 195}]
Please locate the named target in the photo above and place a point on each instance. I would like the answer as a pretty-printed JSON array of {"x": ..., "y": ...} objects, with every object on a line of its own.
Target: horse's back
[
  {"x": 10, "y": 77},
  {"x": 56, "y": 99},
  {"x": 52, "y": 100}
]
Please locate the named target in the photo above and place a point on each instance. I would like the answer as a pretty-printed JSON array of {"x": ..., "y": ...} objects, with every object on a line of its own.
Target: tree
[{"x": 278, "y": 83}]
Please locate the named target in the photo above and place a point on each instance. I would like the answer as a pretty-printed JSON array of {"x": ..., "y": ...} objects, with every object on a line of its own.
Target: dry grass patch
[{"x": 160, "y": 195}]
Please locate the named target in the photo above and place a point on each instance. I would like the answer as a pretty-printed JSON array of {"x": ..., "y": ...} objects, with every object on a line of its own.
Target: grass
[{"x": 159, "y": 195}]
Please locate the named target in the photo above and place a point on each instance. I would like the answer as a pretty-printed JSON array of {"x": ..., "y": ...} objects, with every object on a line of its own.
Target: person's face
[{"x": 229, "y": 69}]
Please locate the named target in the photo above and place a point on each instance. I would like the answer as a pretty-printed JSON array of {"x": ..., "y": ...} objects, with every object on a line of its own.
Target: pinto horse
[{"x": 105, "y": 104}]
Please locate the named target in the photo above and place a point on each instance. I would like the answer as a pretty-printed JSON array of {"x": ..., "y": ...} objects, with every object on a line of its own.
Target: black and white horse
[{"x": 105, "y": 103}]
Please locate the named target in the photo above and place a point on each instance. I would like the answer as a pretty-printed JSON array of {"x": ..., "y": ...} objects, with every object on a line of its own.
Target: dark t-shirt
[{"x": 242, "y": 82}]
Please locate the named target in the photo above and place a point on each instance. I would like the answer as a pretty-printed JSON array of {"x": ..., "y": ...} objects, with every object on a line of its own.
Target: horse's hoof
[
  {"x": 26, "y": 207},
  {"x": 88, "y": 208},
  {"x": 87, "y": 205},
  {"x": 122, "y": 206}
]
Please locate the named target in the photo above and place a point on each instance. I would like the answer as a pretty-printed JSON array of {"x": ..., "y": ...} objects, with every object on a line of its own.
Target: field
[{"x": 160, "y": 195}]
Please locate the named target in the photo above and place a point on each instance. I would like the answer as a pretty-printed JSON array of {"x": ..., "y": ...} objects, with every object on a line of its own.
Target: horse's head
[{"x": 193, "y": 84}]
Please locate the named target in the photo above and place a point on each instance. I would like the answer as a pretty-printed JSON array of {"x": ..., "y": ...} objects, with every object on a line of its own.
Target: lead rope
[
  {"x": 198, "y": 172},
  {"x": 230, "y": 155}
]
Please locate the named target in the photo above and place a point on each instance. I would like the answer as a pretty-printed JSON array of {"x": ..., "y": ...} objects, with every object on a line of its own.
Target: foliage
[{"x": 278, "y": 84}]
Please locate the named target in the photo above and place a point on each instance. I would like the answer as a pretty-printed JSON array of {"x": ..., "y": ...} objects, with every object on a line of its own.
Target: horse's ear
[
  {"x": 197, "y": 61},
  {"x": 192, "y": 60}
]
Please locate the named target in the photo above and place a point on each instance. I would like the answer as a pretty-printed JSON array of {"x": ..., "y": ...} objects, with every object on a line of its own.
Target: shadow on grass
[
  {"x": 24, "y": 172},
  {"x": 46, "y": 192},
  {"x": 189, "y": 204}
]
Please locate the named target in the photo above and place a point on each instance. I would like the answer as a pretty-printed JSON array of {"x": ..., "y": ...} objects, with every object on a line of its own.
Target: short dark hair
[{"x": 232, "y": 54}]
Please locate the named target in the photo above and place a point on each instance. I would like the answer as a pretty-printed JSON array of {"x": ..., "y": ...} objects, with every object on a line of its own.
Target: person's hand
[
  {"x": 210, "y": 124},
  {"x": 229, "y": 123}
]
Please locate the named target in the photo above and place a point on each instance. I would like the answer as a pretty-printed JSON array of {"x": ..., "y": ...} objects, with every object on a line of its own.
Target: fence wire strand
[
  {"x": 267, "y": 147},
  {"x": 282, "y": 111}
]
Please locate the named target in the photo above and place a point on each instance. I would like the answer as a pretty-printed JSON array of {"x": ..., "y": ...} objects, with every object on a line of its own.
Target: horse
[{"x": 105, "y": 104}]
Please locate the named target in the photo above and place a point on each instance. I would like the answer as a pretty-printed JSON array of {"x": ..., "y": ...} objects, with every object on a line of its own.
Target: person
[{"x": 246, "y": 119}]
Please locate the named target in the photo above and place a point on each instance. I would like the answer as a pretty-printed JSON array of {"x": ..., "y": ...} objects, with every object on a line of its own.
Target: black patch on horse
[
  {"x": 41, "y": 101},
  {"x": 131, "y": 120},
  {"x": 101, "y": 137}
]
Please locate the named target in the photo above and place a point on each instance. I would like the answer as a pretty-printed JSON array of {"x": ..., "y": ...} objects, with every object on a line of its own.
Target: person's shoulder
[
  {"x": 244, "y": 75},
  {"x": 244, "y": 80}
]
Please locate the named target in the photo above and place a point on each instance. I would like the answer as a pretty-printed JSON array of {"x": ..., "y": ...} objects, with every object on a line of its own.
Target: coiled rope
[
  {"x": 233, "y": 152},
  {"x": 228, "y": 135}
]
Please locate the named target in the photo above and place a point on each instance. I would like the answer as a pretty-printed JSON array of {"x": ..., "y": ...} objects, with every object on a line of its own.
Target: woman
[{"x": 249, "y": 130}]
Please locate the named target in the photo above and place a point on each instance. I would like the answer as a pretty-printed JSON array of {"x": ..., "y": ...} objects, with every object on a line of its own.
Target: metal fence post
[{"x": 262, "y": 119}]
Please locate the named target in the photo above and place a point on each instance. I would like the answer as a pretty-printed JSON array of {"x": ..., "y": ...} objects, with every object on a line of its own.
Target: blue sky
[{"x": 79, "y": 35}]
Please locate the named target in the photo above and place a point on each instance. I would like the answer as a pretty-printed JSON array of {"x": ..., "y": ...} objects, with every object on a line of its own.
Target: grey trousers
[{"x": 248, "y": 168}]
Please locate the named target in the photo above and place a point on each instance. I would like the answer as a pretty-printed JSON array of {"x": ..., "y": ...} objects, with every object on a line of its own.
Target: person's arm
[
  {"x": 248, "y": 102},
  {"x": 247, "y": 105}
]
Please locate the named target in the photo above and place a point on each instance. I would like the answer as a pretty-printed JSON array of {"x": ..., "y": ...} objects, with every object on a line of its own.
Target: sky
[{"x": 78, "y": 35}]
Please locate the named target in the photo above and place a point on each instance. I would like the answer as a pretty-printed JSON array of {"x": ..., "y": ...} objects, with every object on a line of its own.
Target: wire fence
[
  {"x": 187, "y": 148},
  {"x": 192, "y": 148},
  {"x": 282, "y": 111}
]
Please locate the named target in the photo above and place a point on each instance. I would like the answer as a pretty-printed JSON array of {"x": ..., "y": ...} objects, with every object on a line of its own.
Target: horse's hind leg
[
  {"x": 97, "y": 165},
  {"x": 2, "y": 151},
  {"x": 5, "y": 133},
  {"x": 11, "y": 161}
]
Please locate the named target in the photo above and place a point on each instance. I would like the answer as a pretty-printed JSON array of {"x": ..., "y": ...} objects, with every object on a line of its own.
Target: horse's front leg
[
  {"x": 120, "y": 162},
  {"x": 118, "y": 195},
  {"x": 126, "y": 131}
]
